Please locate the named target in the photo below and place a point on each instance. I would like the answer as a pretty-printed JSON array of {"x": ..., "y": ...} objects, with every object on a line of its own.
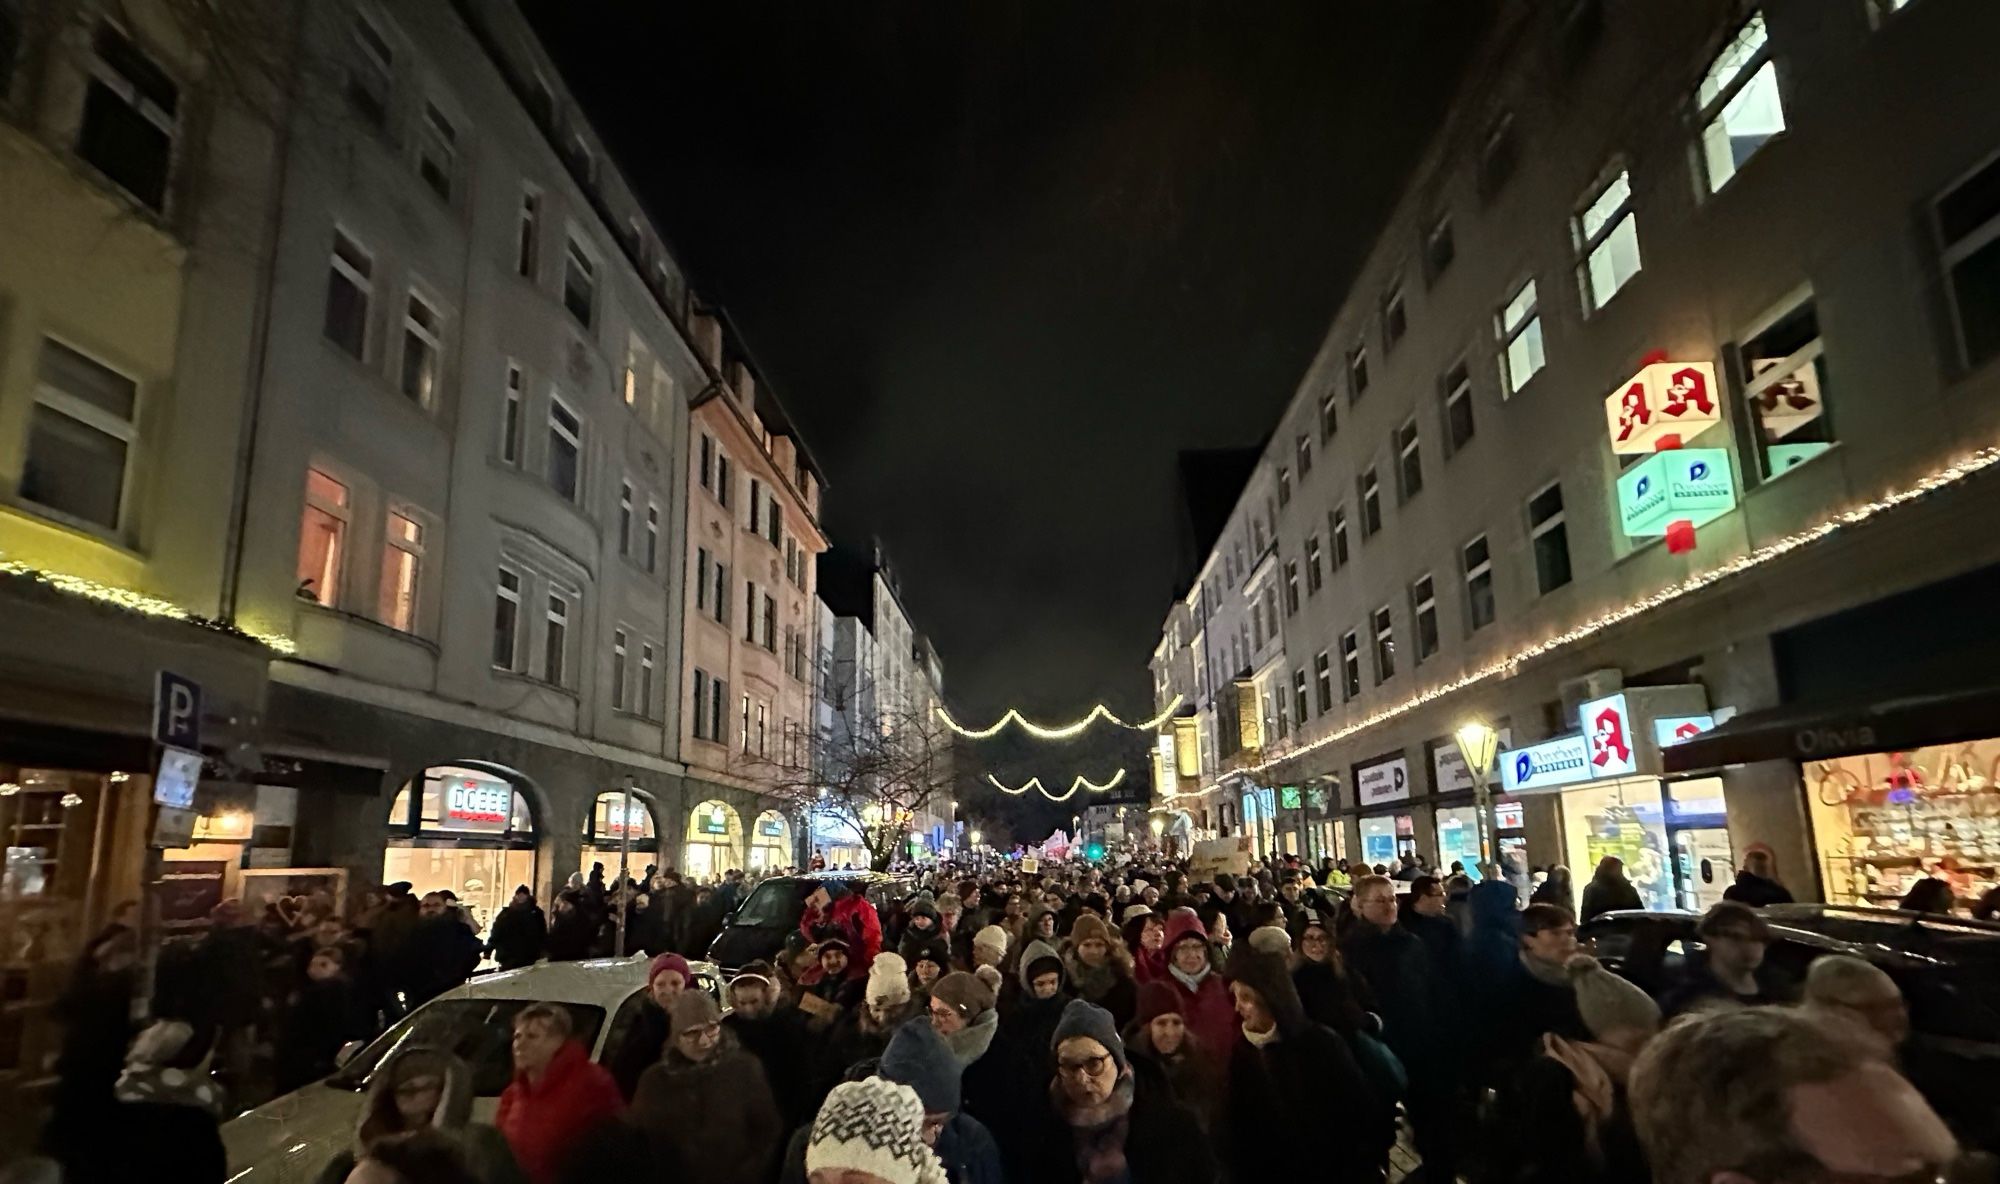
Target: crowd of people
[{"x": 1097, "y": 1025}]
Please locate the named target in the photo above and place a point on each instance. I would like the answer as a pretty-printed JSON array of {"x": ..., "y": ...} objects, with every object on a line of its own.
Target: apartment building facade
[{"x": 1666, "y": 472}]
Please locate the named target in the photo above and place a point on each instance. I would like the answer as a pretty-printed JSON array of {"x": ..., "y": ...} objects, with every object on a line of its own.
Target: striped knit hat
[{"x": 874, "y": 1126}]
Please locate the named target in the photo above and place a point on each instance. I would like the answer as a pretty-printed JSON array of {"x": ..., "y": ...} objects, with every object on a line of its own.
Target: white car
[{"x": 290, "y": 1139}]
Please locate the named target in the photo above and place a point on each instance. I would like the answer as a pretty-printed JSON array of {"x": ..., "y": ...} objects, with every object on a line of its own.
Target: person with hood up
[
  {"x": 920, "y": 928},
  {"x": 1205, "y": 1000},
  {"x": 1159, "y": 1035},
  {"x": 420, "y": 1088},
  {"x": 1110, "y": 1120},
  {"x": 1100, "y": 968},
  {"x": 707, "y": 1103},
  {"x": 520, "y": 933},
  {"x": 1032, "y": 1009},
  {"x": 558, "y": 1094},
  {"x": 1146, "y": 937},
  {"x": 871, "y": 1132},
  {"x": 930, "y": 962},
  {"x": 1289, "y": 1074},
  {"x": 776, "y": 1034},
  {"x": 666, "y": 977},
  {"x": 833, "y": 909},
  {"x": 1563, "y": 1117},
  {"x": 1757, "y": 883},
  {"x": 1558, "y": 889},
  {"x": 1609, "y": 890},
  {"x": 1039, "y": 925}
]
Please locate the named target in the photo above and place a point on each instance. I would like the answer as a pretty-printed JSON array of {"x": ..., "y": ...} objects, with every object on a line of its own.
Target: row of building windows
[{"x": 764, "y": 515}]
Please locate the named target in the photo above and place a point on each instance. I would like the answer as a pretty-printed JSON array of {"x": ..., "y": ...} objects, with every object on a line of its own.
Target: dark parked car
[
  {"x": 758, "y": 928},
  {"x": 1948, "y": 969}
]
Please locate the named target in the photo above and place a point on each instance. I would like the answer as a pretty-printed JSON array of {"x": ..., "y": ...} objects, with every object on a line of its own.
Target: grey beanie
[
  {"x": 919, "y": 1058},
  {"x": 1608, "y": 1003},
  {"x": 1083, "y": 1018}
]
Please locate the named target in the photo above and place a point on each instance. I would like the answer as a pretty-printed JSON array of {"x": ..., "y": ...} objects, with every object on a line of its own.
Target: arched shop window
[
  {"x": 714, "y": 840},
  {"x": 463, "y": 828},
  {"x": 770, "y": 842},
  {"x": 608, "y": 826}
]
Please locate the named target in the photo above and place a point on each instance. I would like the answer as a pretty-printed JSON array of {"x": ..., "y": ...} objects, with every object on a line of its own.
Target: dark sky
[{"x": 1002, "y": 260}]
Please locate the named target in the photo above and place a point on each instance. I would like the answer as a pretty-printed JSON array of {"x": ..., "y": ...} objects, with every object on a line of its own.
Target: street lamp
[
  {"x": 974, "y": 836},
  {"x": 1477, "y": 742}
]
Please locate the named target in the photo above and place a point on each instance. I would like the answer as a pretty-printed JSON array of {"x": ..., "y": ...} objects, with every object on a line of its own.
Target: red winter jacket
[
  {"x": 1209, "y": 1009},
  {"x": 854, "y": 919},
  {"x": 542, "y": 1119}
]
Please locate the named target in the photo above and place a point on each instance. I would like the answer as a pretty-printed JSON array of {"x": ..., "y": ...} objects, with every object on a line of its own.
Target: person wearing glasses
[
  {"x": 708, "y": 1103},
  {"x": 1111, "y": 1119}
]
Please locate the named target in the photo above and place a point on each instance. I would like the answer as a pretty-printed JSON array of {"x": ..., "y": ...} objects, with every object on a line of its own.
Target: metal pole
[
  {"x": 1482, "y": 800},
  {"x": 624, "y": 864}
]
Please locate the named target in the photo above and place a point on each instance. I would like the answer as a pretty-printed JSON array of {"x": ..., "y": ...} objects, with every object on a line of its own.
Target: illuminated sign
[
  {"x": 713, "y": 821},
  {"x": 1169, "y": 767},
  {"x": 1665, "y": 403},
  {"x": 1791, "y": 456},
  {"x": 1509, "y": 816},
  {"x": 1187, "y": 746},
  {"x": 471, "y": 804},
  {"x": 1562, "y": 761},
  {"x": 771, "y": 826},
  {"x": 1383, "y": 781},
  {"x": 1785, "y": 405},
  {"x": 1682, "y": 484},
  {"x": 1671, "y": 730},
  {"x": 1607, "y": 725},
  {"x": 1288, "y": 798}
]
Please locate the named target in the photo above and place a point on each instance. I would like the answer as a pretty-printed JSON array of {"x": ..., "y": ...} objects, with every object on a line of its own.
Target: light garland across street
[
  {"x": 1058, "y": 733},
  {"x": 1081, "y": 782},
  {"x": 1974, "y": 462}
]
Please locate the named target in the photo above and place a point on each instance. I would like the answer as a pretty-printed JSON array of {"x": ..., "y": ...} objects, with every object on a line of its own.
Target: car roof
[
  {"x": 1862, "y": 931},
  {"x": 600, "y": 982},
  {"x": 871, "y": 877}
]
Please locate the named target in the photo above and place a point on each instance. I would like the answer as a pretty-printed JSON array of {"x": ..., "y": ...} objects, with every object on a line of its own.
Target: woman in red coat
[
  {"x": 835, "y": 910},
  {"x": 558, "y": 1093},
  {"x": 1204, "y": 998}
]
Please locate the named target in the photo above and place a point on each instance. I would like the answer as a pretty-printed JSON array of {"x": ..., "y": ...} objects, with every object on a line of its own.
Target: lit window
[
  {"x": 1968, "y": 223},
  {"x": 565, "y": 449},
  {"x": 1458, "y": 425},
  {"x": 1520, "y": 327},
  {"x": 507, "y": 619},
  {"x": 322, "y": 539},
  {"x": 1478, "y": 584},
  {"x": 618, "y": 670},
  {"x": 624, "y": 517},
  {"x": 129, "y": 118},
  {"x": 555, "y": 644},
  {"x": 1551, "y": 538},
  {"x": 1370, "y": 487},
  {"x": 1787, "y": 391},
  {"x": 423, "y": 332},
  {"x": 402, "y": 560},
  {"x": 437, "y": 151},
  {"x": 1737, "y": 104},
  {"x": 349, "y": 289},
  {"x": 80, "y": 438},
  {"x": 371, "y": 67},
  {"x": 1409, "y": 460},
  {"x": 638, "y": 365},
  {"x": 1423, "y": 611},
  {"x": 1350, "y": 665},
  {"x": 510, "y": 416},
  {"x": 579, "y": 284},
  {"x": 1607, "y": 240}
]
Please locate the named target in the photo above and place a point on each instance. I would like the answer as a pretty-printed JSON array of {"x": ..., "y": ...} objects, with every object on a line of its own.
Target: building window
[
  {"x": 1371, "y": 502},
  {"x": 555, "y": 644},
  {"x": 1284, "y": 487},
  {"x": 528, "y": 234},
  {"x": 423, "y": 332},
  {"x": 1786, "y": 364},
  {"x": 762, "y": 713},
  {"x": 638, "y": 364},
  {"x": 1299, "y": 695},
  {"x": 1350, "y": 666},
  {"x": 1357, "y": 372},
  {"x": 705, "y": 462},
  {"x": 1457, "y": 409},
  {"x": 129, "y": 118},
  {"x": 652, "y": 535},
  {"x": 743, "y": 725},
  {"x": 402, "y": 561},
  {"x": 1409, "y": 460},
  {"x": 510, "y": 416},
  {"x": 1968, "y": 225},
  {"x": 80, "y": 437},
  {"x": 1520, "y": 327},
  {"x": 774, "y": 522},
  {"x": 579, "y": 284},
  {"x": 437, "y": 151},
  {"x": 322, "y": 539},
  {"x": 1313, "y": 577},
  {"x": 350, "y": 286},
  {"x": 618, "y": 670},
  {"x": 750, "y": 611},
  {"x": 582, "y": 161},
  {"x": 1291, "y": 587},
  {"x": 1423, "y": 612},
  {"x": 1440, "y": 249},
  {"x": 702, "y": 709},
  {"x": 1737, "y": 104},
  {"x": 565, "y": 449},
  {"x": 1478, "y": 562},
  {"x": 1395, "y": 318},
  {"x": 725, "y": 480},
  {"x": 507, "y": 619},
  {"x": 1336, "y": 525},
  {"x": 624, "y": 517},
  {"x": 1303, "y": 452},
  {"x": 701, "y": 563},
  {"x": 1497, "y": 157},
  {"x": 771, "y": 623},
  {"x": 722, "y": 593},
  {"x": 1385, "y": 646},
  {"x": 1551, "y": 538},
  {"x": 718, "y": 695},
  {"x": 1607, "y": 240},
  {"x": 1323, "y": 678},
  {"x": 756, "y": 507},
  {"x": 1329, "y": 414},
  {"x": 370, "y": 68},
  {"x": 646, "y": 679}
]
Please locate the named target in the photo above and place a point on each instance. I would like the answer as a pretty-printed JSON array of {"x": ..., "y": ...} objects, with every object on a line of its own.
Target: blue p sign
[{"x": 177, "y": 711}]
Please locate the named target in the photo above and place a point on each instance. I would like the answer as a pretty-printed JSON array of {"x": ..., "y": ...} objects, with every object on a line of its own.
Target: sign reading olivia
[
  {"x": 1607, "y": 726},
  {"x": 1663, "y": 404},
  {"x": 1383, "y": 781}
]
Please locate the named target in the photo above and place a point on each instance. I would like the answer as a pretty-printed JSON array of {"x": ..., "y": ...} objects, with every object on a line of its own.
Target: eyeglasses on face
[{"x": 1083, "y": 1067}]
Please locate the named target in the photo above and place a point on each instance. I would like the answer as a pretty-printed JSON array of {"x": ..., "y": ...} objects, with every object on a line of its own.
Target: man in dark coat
[
  {"x": 443, "y": 952},
  {"x": 777, "y": 1036},
  {"x": 1401, "y": 985},
  {"x": 708, "y": 1101},
  {"x": 1757, "y": 882},
  {"x": 1534, "y": 996},
  {"x": 520, "y": 933}
]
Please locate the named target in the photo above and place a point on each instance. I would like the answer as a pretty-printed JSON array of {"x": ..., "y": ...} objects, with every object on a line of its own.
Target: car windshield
[
  {"x": 775, "y": 902},
  {"x": 477, "y": 1031}
]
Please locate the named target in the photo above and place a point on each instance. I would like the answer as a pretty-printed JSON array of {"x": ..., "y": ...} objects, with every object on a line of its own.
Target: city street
[{"x": 974, "y": 592}]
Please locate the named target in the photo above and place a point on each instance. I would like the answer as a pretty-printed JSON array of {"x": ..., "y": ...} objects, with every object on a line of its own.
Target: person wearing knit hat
[
  {"x": 872, "y": 1128},
  {"x": 1617, "y": 1011},
  {"x": 1159, "y": 1035},
  {"x": 1100, "y": 967},
  {"x": 1270, "y": 939},
  {"x": 1132, "y": 913},
  {"x": 1106, "y": 1123},
  {"x": 667, "y": 977},
  {"x": 989, "y": 946},
  {"x": 1190, "y": 968},
  {"x": 929, "y": 962},
  {"x": 959, "y": 999},
  {"x": 888, "y": 984},
  {"x": 707, "y": 1102},
  {"x": 919, "y": 1058}
]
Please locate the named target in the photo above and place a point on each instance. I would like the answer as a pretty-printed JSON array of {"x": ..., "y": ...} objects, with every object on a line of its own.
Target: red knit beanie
[{"x": 1157, "y": 999}]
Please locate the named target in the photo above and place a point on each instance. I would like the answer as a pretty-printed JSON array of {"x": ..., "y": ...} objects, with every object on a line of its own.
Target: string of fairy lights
[
  {"x": 1081, "y": 782},
  {"x": 1075, "y": 727},
  {"x": 136, "y": 602}
]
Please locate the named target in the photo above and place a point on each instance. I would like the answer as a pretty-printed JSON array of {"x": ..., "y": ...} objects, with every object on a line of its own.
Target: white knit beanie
[
  {"x": 873, "y": 1126},
  {"x": 888, "y": 979},
  {"x": 1269, "y": 939},
  {"x": 992, "y": 937}
]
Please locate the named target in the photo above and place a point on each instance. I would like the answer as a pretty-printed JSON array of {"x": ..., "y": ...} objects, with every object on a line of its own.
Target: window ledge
[
  {"x": 370, "y": 623},
  {"x": 504, "y": 674},
  {"x": 50, "y": 518}
]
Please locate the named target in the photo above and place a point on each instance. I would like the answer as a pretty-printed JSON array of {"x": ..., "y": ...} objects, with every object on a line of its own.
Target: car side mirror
[{"x": 347, "y": 1052}]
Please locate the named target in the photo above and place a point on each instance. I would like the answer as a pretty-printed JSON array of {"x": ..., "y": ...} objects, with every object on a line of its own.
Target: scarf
[
  {"x": 1261, "y": 1039},
  {"x": 970, "y": 1043},
  {"x": 1597, "y": 1069},
  {"x": 1092, "y": 982},
  {"x": 1098, "y": 1131},
  {"x": 1540, "y": 971},
  {"x": 1191, "y": 981}
]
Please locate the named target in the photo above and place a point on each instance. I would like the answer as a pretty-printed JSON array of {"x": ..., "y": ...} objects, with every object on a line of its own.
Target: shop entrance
[
  {"x": 1385, "y": 837},
  {"x": 607, "y": 827},
  {"x": 1624, "y": 818},
  {"x": 1458, "y": 839},
  {"x": 714, "y": 841},
  {"x": 466, "y": 828},
  {"x": 770, "y": 842},
  {"x": 1698, "y": 829},
  {"x": 1883, "y": 821}
]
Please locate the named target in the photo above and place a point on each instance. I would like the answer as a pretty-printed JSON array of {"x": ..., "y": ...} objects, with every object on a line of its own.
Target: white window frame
[
  {"x": 1394, "y": 308},
  {"x": 1473, "y": 573},
  {"x": 365, "y": 284},
  {"x": 705, "y": 462},
  {"x": 1302, "y": 449},
  {"x": 1370, "y": 494},
  {"x": 1601, "y": 233},
  {"x": 1719, "y": 91},
  {"x": 572, "y": 436},
  {"x": 1455, "y": 393},
  {"x": 577, "y": 256},
  {"x": 1357, "y": 372},
  {"x": 1284, "y": 486},
  {"x": 90, "y": 415},
  {"x": 702, "y": 562},
  {"x": 331, "y": 588},
  {"x": 1423, "y": 604},
  {"x": 1315, "y": 575},
  {"x": 168, "y": 122},
  {"x": 1956, "y": 252},
  {"x": 1338, "y": 555},
  {"x": 652, "y": 535},
  {"x": 619, "y": 643},
  {"x": 626, "y": 496},
  {"x": 1291, "y": 587},
  {"x": 556, "y": 616},
  {"x": 427, "y": 337},
  {"x": 1350, "y": 666},
  {"x": 1323, "y": 681},
  {"x": 437, "y": 134},
  {"x": 1409, "y": 452},
  {"x": 1511, "y": 328},
  {"x": 1382, "y": 625},
  {"x": 646, "y": 673},
  {"x": 1329, "y": 414},
  {"x": 513, "y": 413},
  {"x": 501, "y": 592},
  {"x": 384, "y": 69},
  {"x": 638, "y": 358},
  {"x": 393, "y": 547}
]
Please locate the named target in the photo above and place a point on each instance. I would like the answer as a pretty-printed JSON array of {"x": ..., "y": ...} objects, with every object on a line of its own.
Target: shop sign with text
[
  {"x": 471, "y": 804},
  {"x": 1694, "y": 485},
  {"x": 1383, "y": 781},
  {"x": 1664, "y": 404},
  {"x": 1562, "y": 761}
]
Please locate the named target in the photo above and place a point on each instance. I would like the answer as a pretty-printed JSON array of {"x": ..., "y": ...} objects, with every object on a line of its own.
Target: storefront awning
[{"x": 1820, "y": 731}]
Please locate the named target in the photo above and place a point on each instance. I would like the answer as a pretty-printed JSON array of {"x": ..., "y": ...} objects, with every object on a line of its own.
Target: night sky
[{"x": 1002, "y": 260}]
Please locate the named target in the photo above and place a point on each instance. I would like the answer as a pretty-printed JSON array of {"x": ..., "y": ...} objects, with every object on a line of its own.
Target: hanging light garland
[
  {"x": 1081, "y": 782},
  {"x": 136, "y": 602},
  {"x": 1975, "y": 462},
  {"x": 1058, "y": 733}
]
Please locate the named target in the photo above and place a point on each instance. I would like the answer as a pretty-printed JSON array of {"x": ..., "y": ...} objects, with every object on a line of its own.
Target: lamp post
[
  {"x": 1476, "y": 744},
  {"x": 1159, "y": 829}
]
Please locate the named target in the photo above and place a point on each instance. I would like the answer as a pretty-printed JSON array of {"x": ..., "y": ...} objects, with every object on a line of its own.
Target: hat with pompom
[{"x": 888, "y": 979}]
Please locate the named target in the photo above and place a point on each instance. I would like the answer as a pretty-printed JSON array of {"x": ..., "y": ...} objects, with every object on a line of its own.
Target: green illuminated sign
[
  {"x": 1691, "y": 484},
  {"x": 1288, "y": 797}
]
